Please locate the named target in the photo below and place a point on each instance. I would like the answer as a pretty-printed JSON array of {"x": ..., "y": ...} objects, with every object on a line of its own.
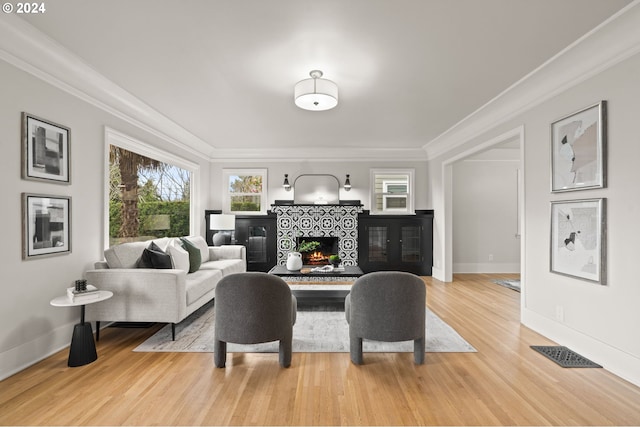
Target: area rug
[
  {"x": 314, "y": 332},
  {"x": 511, "y": 284},
  {"x": 565, "y": 357}
]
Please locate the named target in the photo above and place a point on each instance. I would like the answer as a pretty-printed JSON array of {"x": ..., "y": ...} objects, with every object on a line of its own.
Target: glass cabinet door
[
  {"x": 257, "y": 244},
  {"x": 378, "y": 240},
  {"x": 410, "y": 244}
]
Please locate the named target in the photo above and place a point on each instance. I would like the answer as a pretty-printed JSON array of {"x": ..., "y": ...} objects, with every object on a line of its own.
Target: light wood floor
[{"x": 504, "y": 383}]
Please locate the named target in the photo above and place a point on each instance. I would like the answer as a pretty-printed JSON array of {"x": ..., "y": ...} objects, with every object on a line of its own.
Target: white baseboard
[
  {"x": 489, "y": 267},
  {"x": 437, "y": 273},
  {"x": 614, "y": 360},
  {"x": 19, "y": 358}
]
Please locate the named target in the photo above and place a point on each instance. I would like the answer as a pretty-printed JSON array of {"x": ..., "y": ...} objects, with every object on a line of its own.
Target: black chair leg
[
  {"x": 418, "y": 350},
  {"x": 173, "y": 331},
  {"x": 97, "y": 330},
  {"x": 219, "y": 353}
]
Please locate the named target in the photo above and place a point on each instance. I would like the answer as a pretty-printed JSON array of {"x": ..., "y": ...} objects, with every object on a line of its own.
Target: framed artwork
[
  {"x": 578, "y": 239},
  {"x": 45, "y": 150},
  {"x": 578, "y": 149},
  {"x": 46, "y": 225}
]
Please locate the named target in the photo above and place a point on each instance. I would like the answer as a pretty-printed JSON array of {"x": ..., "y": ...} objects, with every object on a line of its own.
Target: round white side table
[{"x": 83, "y": 347}]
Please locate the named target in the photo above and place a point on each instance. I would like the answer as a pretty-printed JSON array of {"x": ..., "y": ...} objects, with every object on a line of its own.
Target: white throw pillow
[{"x": 179, "y": 257}]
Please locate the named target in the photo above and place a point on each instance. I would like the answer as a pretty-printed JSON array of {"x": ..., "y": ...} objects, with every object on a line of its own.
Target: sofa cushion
[
  {"x": 126, "y": 255},
  {"x": 154, "y": 257},
  {"x": 201, "y": 244},
  {"x": 179, "y": 256},
  {"x": 200, "y": 283},
  {"x": 195, "y": 256},
  {"x": 226, "y": 266}
]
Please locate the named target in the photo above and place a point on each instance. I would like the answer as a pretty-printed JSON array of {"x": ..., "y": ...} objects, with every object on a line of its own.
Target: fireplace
[
  {"x": 320, "y": 255},
  {"x": 315, "y": 222}
]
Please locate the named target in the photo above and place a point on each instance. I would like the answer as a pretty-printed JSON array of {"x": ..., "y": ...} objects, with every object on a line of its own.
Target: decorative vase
[{"x": 294, "y": 261}]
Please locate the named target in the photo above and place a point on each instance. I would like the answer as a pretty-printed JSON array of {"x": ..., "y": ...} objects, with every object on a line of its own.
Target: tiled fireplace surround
[{"x": 318, "y": 221}]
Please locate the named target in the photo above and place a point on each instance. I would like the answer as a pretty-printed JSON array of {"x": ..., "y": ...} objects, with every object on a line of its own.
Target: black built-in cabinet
[
  {"x": 396, "y": 242},
  {"x": 257, "y": 233}
]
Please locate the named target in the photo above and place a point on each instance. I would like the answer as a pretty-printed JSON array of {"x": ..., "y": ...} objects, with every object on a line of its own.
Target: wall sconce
[
  {"x": 347, "y": 184},
  {"x": 286, "y": 184}
]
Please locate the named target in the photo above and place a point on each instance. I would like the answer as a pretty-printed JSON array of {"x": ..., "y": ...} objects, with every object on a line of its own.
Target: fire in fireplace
[{"x": 320, "y": 255}]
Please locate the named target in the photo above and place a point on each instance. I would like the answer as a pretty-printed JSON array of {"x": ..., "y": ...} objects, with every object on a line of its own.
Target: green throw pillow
[{"x": 195, "y": 257}]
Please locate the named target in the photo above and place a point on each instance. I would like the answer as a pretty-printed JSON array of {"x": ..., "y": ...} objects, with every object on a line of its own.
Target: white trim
[
  {"x": 446, "y": 201},
  {"x": 611, "y": 42},
  {"x": 618, "y": 362},
  {"x": 410, "y": 210},
  {"x": 226, "y": 201},
  {"x": 486, "y": 267},
  {"x": 27, "y": 48},
  {"x": 114, "y": 137},
  {"x": 300, "y": 154}
]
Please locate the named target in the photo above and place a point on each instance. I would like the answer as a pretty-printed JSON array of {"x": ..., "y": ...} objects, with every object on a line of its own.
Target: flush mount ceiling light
[{"x": 316, "y": 93}]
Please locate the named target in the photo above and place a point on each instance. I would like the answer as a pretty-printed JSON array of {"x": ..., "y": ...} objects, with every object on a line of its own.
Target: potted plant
[
  {"x": 334, "y": 260},
  {"x": 294, "y": 258}
]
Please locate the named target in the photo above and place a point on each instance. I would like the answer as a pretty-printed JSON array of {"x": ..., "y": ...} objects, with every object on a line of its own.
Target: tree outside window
[{"x": 147, "y": 198}]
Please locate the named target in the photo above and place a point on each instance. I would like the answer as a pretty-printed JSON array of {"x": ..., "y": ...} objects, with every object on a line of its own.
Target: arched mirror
[{"x": 316, "y": 189}]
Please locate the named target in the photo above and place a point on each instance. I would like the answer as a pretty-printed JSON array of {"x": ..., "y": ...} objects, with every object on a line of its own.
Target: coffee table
[{"x": 312, "y": 288}]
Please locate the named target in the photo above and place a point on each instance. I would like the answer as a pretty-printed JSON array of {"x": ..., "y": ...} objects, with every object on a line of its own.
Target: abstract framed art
[
  {"x": 578, "y": 239},
  {"x": 45, "y": 150},
  {"x": 46, "y": 225},
  {"x": 578, "y": 149}
]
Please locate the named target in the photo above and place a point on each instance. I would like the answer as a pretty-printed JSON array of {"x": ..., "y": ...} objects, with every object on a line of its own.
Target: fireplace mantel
[{"x": 318, "y": 221}]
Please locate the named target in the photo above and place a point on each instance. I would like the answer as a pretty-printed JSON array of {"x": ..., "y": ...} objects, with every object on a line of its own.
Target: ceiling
[{"x": 407, "y": 70}]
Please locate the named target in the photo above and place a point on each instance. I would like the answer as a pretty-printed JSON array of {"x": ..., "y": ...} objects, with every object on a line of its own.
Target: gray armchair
[
  {"x": 253, "y": 308},
  {"x": 387, "y": 306}
]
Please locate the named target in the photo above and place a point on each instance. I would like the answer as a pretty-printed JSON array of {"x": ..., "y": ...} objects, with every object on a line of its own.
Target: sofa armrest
[
  {"x": 227, "y": 252},
  {"x": 101, "y": 265},
  {"x": 139, "y": 295}
]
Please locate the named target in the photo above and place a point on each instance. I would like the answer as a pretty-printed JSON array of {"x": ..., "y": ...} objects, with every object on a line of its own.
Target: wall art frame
[
  {"x": 46, "y": 150},
  {"x": 579, "y": 150},
  {"x": 578, "y": 239},
  {"x": 46, "y": 225}
]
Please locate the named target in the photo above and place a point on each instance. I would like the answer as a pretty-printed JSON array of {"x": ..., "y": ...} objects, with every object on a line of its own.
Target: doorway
[{"x": 515, "y": 136}]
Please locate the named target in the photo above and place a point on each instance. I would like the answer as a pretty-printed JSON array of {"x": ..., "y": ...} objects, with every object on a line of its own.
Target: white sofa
[{"x": 159, "y": 295}]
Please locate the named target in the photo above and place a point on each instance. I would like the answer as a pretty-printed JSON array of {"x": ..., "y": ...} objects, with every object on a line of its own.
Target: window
[
  {"x": 392, "y": 191},
  {"x": 245, "y": 191},
  {"x": 149, "y": 192}
]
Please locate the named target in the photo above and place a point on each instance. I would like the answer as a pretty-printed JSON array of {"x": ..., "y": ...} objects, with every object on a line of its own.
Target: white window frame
[
  {"x": 410, "y": 195},
  {"x": 114, "y": 137},
  {"x": 226, "y": 196}
]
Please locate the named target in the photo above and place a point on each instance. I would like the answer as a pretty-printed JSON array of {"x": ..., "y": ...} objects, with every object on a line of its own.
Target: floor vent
[{"x": 565, "y": 357}]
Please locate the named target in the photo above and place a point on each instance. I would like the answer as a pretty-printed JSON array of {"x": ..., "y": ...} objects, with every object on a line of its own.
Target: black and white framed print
[
  {"x": 578, "y": 149},
  {"x": 46, "y": 225},
  {"x": 45, "y": 150},
  {"x": 578, "y": 239}
]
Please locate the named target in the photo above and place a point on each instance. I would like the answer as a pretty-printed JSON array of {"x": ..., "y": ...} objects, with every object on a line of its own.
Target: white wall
[
  {"x": 31, "y": 328},
  {"x": 599, "y": 321},
  {"x": 358, "y": 171},
  {"x": 485, "y": 216}
]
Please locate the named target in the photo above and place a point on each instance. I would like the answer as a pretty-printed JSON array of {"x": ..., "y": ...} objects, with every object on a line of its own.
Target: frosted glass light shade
[{"x": 316, "y": 94}]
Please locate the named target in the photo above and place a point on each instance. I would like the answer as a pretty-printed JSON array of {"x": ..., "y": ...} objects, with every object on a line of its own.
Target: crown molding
[
  {"x": 319, "y": 154},
  {"x": 611, "y": 42},
  {"x": 30, "y": 50}
]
